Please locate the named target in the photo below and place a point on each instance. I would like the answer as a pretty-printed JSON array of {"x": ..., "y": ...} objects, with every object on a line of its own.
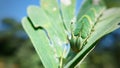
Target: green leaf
[
  {"x": 41, "y": 44},
  {"x": 107, "y": 23},
  {"x": 84, "y": 7},
  {"x": 47, "y": 17},
  {"x": 58, "y": 34},
  {"x": 50, "y": 23},
  {"x": 68, "y": 11}
]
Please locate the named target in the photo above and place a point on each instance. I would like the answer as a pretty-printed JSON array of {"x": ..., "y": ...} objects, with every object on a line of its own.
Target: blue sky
[{"x": 15, "y": 9}]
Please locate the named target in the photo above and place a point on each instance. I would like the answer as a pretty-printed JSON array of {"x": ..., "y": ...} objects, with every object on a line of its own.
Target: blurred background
[{"x": 17, "y": 51}]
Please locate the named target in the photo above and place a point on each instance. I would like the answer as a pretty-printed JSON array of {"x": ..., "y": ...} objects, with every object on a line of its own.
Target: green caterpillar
[{"x": 84, "y": 27}]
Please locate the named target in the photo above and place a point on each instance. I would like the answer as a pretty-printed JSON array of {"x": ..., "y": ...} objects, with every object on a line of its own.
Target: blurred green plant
[
  {"x": 50, "y": 26},
  {"x": 16, "y": 50}
]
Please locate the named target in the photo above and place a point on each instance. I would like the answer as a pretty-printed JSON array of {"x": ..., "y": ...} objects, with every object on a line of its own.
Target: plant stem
[{"x": 61, "y": 62}]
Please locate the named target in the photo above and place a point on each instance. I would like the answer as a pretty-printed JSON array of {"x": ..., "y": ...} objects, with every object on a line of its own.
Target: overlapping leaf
[
  {"x": 107, "y": 23},
  {"x": 46, "y": 31},
  {"x": 41, "y": 44},
  {"x": 45, "y": 27},
  {"x": 68, "y": 11}
]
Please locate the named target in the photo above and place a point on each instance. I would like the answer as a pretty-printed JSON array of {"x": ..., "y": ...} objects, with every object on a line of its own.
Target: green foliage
[
  {"x": 49, "y": 28},
  {"x": 108, "y": 25},
  {"x": 16, "y": 50}
]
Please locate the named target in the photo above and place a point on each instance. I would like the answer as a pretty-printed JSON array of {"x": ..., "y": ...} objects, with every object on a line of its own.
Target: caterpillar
[{"x": 84, "y": 27}]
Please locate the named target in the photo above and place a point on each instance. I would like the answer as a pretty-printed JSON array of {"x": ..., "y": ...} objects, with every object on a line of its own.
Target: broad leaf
[
  {"x": 41, "y": 44},
  {"x": 45, "y": 25},
  {"x": 68, "y": 11},
  {"x": 86, "y": 4},
  {"x": 50, "y": 24}
]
